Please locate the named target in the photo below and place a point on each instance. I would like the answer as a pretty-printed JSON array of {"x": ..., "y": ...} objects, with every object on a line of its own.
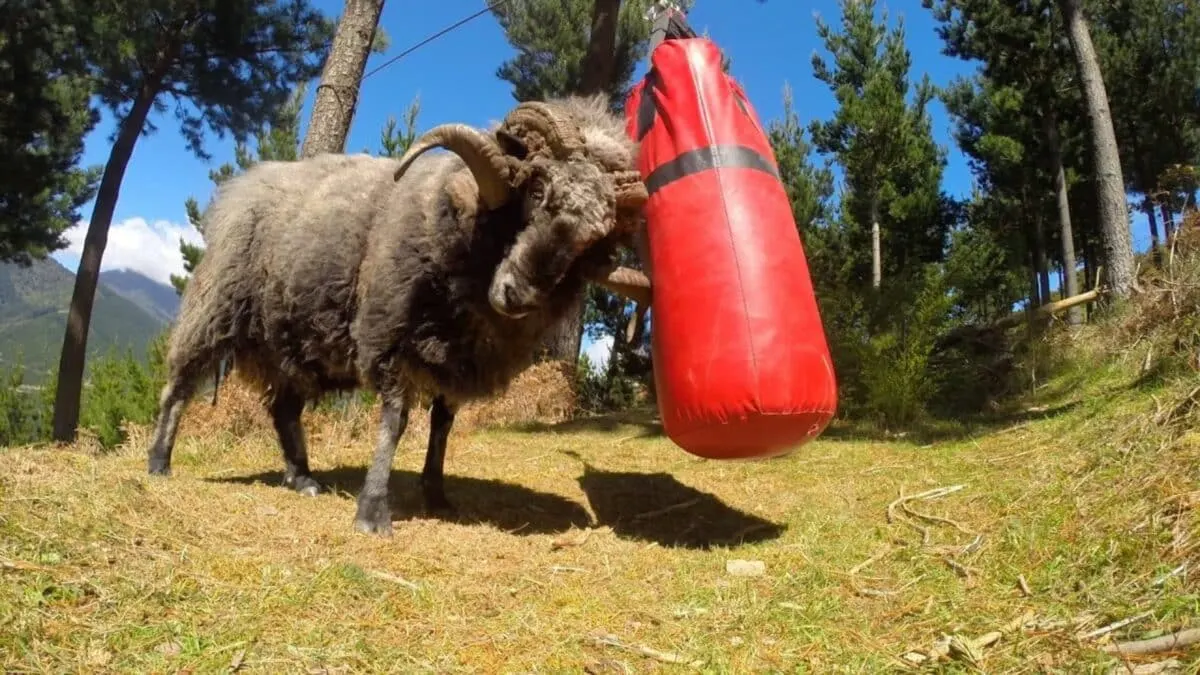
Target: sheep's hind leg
[
  {"x": 374, "y": 514},
  {"x": 441, "y": 419},
  {"x": 286, "y": 409},
  {"x": 171, "y": 404}
]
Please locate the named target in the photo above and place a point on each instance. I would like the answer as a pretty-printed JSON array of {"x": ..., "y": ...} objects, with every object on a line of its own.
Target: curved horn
[
  {"x": 631, "y": 191},
  {"x": 560, "y": 132},
  {"x": 479, "y": 151},
  {"x": 629, "y": 283}
]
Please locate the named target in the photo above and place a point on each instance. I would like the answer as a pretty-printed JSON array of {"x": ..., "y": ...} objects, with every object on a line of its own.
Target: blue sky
[{"x": 769, "y": 43}]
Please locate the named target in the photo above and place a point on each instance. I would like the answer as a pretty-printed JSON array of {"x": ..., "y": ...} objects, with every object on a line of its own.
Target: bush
[
  {"x": 24, "y": 412},
  {"x": 121, "y": 389}
]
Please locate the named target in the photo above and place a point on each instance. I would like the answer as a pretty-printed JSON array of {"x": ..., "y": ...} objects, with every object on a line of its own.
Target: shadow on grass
[
  {"x": 655, "y": 507},
  {"x": 502, "y": 505},
  {"x": 645, "y": 420},
  {"x": 941, "y": 430},
  {"x": 638, "y": 506}
]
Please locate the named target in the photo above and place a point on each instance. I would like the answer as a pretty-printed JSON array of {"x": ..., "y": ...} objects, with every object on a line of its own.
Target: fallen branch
[
  {"x": 665, "y": 657},
  {"x": 1163, "y": 579},
  {"x": 1105, "y": 630},
  {"x": 963, "y": 648},
  {"x": 667, "y": 509},
  {"x": 384, "y": 576},
  {"x": 1023, "y": 585},
  {"x": 1151, "y": 668},
  {"x": 1163, "y": 643},
  {"x": 872, "y": 560},
  {"x": 928, "y": 494},
  {"x": 564, "y": 542}
]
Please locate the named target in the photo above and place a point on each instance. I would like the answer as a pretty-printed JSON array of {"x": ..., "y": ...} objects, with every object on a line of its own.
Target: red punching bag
[{"x": 741, "y": 363}]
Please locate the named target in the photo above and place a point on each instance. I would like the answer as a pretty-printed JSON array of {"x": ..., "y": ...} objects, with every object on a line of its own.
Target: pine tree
[
  {"x": 45, "y": 113},
  {"x": 1112, "y": 210},
  {"x": 1025, "y": 63},
  {"x": 1150, "y": 51},
  {"x": 883, "y": 142},
  {"x": 229, "y": 66},
  {"x": 341, "y": 79},
  {"x": 809, "y": 188}
]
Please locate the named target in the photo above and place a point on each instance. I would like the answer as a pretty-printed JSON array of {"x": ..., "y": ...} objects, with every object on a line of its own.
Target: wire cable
[{"x": 433, "y": 37}]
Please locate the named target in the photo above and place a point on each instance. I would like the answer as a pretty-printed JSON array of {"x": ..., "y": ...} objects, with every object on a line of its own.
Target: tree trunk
[
  {"x": 1035, "y": 299},
  {"x": 563, "y": 341},
  {"x": 73, "y": 357},
  {"x": 876, "y": 247},
  {"x": 1066, "y": 232},
  {"x": 599, "y": 62},
  {"x": 1152, "y": 221},
  {"x": 1041, "y": 260},
  {"x": 337, "y": 94},
  {"x": 1110, "y": 184},
  {"x": 1087, "y": 276},
  {"x": 1168, "y": 223}
]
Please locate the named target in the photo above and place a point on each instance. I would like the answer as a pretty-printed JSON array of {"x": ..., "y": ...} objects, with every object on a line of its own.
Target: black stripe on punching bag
[
  {"x": 709, "y": 157},
  {"x": 647, "y": 106}
]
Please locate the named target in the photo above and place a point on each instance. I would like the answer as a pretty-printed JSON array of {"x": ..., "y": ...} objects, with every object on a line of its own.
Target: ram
[{"x": 434, "y": 275}]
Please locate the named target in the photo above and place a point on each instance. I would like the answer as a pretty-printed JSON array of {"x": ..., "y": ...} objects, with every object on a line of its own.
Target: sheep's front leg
[
  {"x": 374, "y": 508},
  {"x": 441, "y": 419}
]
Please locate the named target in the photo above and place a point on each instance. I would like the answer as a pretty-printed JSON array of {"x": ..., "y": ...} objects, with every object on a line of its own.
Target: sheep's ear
[{"x": 512, "y": 145}]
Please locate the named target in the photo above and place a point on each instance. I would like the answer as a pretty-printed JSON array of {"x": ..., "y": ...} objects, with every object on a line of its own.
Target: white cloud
[
  {"x": 598, "y": 352},
  {"x": 135, "y": 244}
]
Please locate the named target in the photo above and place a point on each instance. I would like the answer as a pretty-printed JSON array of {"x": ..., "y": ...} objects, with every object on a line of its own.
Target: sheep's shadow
[
  {"x": 656, "y": 507},
  {"x": 505, "y": 506},
  {"x": 652, "y": 507}
]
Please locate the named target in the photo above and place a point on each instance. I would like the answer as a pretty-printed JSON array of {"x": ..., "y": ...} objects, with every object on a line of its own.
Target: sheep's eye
[{"x": 539, "y": 191}]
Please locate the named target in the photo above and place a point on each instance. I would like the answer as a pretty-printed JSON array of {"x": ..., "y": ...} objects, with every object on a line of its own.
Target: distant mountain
[
  {"x": 33, "y": 317},
  {"x": 157, "y": 299}
]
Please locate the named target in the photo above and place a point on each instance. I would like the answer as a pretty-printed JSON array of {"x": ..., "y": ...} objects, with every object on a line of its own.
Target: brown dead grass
[
  {"x": 598, "y": 532},
  {"x": 595, "y": 545},
  {"x": 544, "y": 393}
]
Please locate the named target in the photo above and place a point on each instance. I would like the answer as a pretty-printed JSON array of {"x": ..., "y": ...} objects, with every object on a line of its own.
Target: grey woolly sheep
[{"x": 435, "y": 274}]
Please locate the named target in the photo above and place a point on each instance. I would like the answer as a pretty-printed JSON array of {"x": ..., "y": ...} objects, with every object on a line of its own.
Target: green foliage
[
  {"x": 809, "y": 188},
  {"x": 227, "y": 66},
  {"x": 121, "y": 388},
  {"x": 984, "y": 283},
  {"x": 551, "y": 40},
  {"x": 1150, "y": 52},
  {"x": 394, "y": 143},
  {"x": 24, "y": 410},
  {"x": 896, "y": 380},
  {"x": 601, "y": 391},
  {"x": 883, "y": 143},
  {"x": 44, "y": 117}
]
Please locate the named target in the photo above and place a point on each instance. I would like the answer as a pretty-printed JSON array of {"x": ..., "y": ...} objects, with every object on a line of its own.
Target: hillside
[
  {"x": 158, "y": 300},
  {"x": 33, "y": 316}
]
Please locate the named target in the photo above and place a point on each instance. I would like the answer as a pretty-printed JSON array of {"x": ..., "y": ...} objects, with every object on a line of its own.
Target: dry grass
[
  {"x": 596, "y": 545},
  {"x": 602, "y": 532}
]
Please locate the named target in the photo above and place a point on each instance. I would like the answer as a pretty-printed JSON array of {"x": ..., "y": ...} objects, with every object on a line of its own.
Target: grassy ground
[{"x": 598, "y": 546}]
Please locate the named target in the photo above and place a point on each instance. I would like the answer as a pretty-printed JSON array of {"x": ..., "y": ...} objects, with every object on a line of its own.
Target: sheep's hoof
[
  {"x": 437, "y": 504},
  {"x": 374, "y": 516},
  {"x": 305, "y": 485},
  {"x": 159, "y": 467}
]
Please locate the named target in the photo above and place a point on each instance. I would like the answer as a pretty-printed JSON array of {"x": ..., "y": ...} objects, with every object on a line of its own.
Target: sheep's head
[{"x": 571, "y": 204}]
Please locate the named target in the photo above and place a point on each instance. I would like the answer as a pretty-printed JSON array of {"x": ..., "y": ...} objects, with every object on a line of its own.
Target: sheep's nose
[{"x": 511, "y": 297}]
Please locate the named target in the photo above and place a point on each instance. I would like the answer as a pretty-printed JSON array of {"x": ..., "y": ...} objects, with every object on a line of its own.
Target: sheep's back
[{"x": 292, "y": 236}]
